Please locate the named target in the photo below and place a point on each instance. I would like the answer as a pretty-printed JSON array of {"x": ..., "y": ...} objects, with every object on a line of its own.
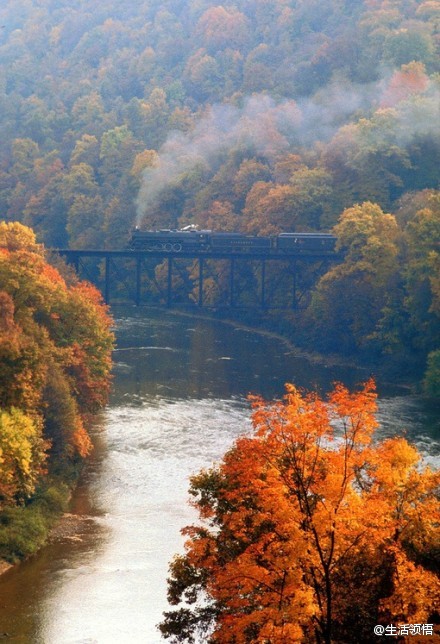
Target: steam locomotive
[{"x": 190, "y": 239}]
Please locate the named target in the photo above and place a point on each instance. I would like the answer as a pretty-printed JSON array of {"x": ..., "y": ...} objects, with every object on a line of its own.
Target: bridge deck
[{"x": 266, "y": 254}]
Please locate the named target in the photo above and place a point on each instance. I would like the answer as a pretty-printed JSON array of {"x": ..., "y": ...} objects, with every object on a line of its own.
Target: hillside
[{"x": 254, "y": 116}]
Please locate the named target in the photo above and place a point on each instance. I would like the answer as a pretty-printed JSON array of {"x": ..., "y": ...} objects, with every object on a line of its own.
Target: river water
[{"x": 179, "y": 401}]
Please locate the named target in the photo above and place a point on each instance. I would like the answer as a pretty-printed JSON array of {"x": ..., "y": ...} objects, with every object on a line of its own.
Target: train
[{"x": 191, "y": 239}]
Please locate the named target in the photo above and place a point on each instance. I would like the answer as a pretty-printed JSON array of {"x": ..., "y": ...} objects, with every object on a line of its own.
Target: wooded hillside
[{"x": 255, "y": 116}]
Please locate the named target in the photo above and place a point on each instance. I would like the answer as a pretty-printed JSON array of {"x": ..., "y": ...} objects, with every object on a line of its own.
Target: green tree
[
  {"x": 431, "y": 383},
  {"x": 24, "y": 154},
  {"x": 89, "y": 114},
  {"x": 420, "y": 274},
  {"x": 117, "y": 152},
  {"x": 85, "y": 222},
  {"x": 203, "y": 77},
  {"x": 86, "y": 151},
  {"x": 347, "y": 306},
  {"x": 46, "y": 210},
  {"x": 406, "y": 45}
]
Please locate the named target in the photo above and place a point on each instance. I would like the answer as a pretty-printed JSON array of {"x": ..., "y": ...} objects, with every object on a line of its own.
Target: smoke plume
[{"x": 271, "y": 127}]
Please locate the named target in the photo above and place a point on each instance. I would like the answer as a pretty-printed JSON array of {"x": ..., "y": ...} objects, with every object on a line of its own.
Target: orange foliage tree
[{"x": 310, "y": 532}]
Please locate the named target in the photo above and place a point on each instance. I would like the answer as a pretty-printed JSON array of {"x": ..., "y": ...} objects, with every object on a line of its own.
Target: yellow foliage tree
[
  {"x": 14, "y": 236},
  {"x": 22, "y": 455}
]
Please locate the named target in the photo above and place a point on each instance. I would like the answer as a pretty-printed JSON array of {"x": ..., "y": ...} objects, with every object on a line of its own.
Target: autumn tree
[
  {"x": 14, "y": 237},
  {"x": 203, "y": 77},
  {"x": 55, "y": 344},
  {"x": 410, "y": 79},
  {"x": 22, "y": 455},
  {"x": 46, "y": 210},
  {"x": 309, "y": 531},
  {"x": 269, "y": 209},
  {"x": 82, "y": 95},
  {"x": 249, "y": 172},
  {"x": 410, "y": 320},
  {"x": 219, "y": 27},
  {"x": 86, "y": 151}
]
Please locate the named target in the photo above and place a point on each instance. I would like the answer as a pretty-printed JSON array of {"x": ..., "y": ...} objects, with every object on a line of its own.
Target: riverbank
[
  {"x": 379, "y": 368},
  {"x": 24, "y": 530},
  {"x": 68, "y": 526},
  {"x": 5, "y": 566}
]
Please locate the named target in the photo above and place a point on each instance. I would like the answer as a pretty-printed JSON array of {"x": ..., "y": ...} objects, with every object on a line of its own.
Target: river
[{"x": 179, "y": 400}]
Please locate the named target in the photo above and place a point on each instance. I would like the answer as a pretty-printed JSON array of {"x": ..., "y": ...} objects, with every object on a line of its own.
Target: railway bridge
[{"x": 216, "y": 279}]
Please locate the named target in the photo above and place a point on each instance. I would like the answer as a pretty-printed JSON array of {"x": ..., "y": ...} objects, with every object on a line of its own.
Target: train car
[
  {"x": 190, "y": 239},
  {"x": 304, "y": 242},
  {"x": 239, "y": 242},
  {"x": 170, "y": 241}
]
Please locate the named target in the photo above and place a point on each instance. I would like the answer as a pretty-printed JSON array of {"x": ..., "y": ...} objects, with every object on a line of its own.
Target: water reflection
[
  {"x": 179, "y": 402},
  {"x": 186, "y": 357}
]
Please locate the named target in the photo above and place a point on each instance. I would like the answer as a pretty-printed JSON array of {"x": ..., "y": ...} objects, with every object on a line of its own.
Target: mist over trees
[{"x": 259, "y": 116}]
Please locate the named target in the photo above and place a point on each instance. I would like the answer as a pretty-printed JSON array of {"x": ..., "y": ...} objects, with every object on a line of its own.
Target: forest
[
  {"x": 256, "y": 116},
  {"x": 55, "y": 348}
]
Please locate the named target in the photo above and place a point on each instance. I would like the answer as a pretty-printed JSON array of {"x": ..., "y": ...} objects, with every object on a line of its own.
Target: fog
[{"x": 271, "y": 127}]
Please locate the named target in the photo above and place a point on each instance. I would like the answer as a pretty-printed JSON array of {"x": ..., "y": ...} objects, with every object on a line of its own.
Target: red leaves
[{"x": 408, "y": 80}]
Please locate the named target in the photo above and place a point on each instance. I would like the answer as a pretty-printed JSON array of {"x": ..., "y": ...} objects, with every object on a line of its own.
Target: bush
[{"x": 24, "y": 529}]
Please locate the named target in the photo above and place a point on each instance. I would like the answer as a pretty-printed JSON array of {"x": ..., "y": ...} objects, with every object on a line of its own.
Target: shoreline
[{"x": 66, "y": 527}]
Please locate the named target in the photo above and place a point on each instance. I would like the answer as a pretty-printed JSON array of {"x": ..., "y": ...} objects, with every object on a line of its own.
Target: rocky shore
[{"x": 68, "y": 526}]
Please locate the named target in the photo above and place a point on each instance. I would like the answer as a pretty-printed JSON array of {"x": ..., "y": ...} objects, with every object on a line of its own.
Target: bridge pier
[
  {"x": 263, "y": 284},
  {"x": 200, "y": 301},
  {"x": 169, "y": 281},
  {"x": 294, "y": 286},
  {"x": 231, "y": 282},
  {"x": 138, "y": 291},
  {"x": 107, "y": 280}
]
